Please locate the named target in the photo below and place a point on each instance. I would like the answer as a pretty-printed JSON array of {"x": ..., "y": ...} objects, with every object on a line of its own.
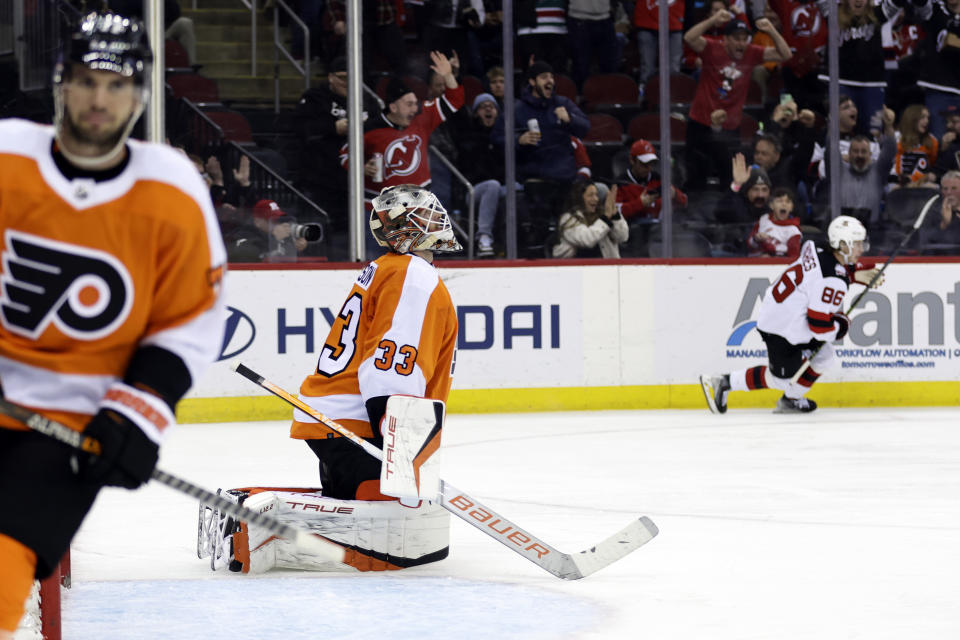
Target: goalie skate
[{"x": 215, "y": 532}]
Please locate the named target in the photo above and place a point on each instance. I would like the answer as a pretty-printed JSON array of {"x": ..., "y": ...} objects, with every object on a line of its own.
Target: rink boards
[{"x": 628, "y": 335}]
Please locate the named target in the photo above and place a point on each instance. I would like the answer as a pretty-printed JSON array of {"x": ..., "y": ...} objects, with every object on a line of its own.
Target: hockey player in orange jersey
[
  {"x": 393, "y": 343},
  {"x": 110, "y": 298}
]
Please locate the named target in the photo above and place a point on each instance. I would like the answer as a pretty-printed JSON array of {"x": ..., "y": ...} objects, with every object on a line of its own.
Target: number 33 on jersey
[{"x": 395, "y": 334}]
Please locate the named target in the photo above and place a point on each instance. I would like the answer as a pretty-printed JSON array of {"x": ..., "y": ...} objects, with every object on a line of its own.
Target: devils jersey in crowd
[
  {"x": 95, "y": 267},
  {"x": 396, "y": 334},
  {"x": 800, "y": 305},
  {"x": 404, "y": 150}
]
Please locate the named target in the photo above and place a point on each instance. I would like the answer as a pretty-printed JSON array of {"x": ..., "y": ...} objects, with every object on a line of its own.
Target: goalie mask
[
  {"x": 408, "y": 218},
  {"x": 104, "y": 42},
  {"x": 843, "y": 233}
]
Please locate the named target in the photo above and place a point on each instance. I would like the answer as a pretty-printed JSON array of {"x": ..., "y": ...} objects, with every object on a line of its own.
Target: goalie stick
[
  {"x": 568, "y": 566},
  {"x": 876, "y": 276},
  {"x": 305, "y": 540}
]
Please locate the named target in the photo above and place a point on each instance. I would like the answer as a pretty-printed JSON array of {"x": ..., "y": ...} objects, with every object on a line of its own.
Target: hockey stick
[
  {"x": 876, "y": 276},
  {"x": 569, "y": 566},
  {"x": 62, "y": 433}
]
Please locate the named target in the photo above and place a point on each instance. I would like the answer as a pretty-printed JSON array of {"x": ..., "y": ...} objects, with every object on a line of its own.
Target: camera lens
[{"x": 310, "y": 231}]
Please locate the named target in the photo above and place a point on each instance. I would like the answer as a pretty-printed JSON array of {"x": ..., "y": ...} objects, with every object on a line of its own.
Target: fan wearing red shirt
[
  {"x": 717, "y": 106},
  {"x": 639, "y": 197}
]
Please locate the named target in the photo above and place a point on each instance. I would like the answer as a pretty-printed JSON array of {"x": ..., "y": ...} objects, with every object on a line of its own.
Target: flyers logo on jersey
[
  {"x": 402, "y": 157},
  {"x": 85, "y": 293}
]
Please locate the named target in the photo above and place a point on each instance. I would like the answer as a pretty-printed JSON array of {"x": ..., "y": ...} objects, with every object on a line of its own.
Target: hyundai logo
[{"x": 238, "y": 334}]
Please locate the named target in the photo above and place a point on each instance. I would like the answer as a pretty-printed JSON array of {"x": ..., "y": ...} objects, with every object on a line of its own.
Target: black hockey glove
[
  {"x": 843, "y": 325},
  {"x": 127, "y": 456}
]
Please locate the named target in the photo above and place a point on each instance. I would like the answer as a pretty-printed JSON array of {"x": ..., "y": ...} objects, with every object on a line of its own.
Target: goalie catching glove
[{"x": 129, "y": 427}]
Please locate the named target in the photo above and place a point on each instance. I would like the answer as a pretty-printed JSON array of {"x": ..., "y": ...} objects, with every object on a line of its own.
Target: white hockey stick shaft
[
  {"x": 64, "y": 434},
  {"x": 469, "y": 509},
  {"x": 876, "y": 276}
]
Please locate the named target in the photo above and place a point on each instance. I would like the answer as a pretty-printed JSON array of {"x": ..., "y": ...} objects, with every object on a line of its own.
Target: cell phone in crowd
[{"x": 785, "y": 98}]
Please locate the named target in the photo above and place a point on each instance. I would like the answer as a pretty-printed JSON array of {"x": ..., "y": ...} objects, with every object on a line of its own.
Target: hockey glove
[
  {"x": 843, "y": 325},
  {"x": 129, "y": 427}
]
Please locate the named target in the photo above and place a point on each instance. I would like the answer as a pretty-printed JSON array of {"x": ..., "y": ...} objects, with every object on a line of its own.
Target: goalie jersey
[
  {"x": 93, "y": 271},
  {"x": 800, "y": 305},
  {"x": 396, "y": 334}
]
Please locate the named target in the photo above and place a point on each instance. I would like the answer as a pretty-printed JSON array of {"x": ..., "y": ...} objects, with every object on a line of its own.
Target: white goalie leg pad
[
  {"x": 379, "y": 535},
  {"x": 411, "y": 430}
]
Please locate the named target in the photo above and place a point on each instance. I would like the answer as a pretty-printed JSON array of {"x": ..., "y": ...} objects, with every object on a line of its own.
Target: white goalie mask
[
  {"x": 409, "y": 218},
  {"x": 843, "y": 233}
]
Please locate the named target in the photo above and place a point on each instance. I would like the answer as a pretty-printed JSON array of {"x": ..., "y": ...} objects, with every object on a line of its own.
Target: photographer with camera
[{"x": 272, "y": 236}]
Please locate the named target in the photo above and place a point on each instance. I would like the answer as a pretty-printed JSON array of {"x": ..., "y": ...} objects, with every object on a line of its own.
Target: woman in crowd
[
  {"x": 587, "y": 229},
  {"x": 917, "y": 149}
]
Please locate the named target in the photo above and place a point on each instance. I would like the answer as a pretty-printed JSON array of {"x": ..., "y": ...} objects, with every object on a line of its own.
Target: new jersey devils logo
[
  {"x": 85, "y": 293},
  {"x": 402, "y": 156},
  {"x": 806, "y": 21}
]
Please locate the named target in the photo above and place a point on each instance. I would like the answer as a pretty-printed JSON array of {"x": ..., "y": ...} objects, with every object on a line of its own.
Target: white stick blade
[{"x": 623, "y": 542}]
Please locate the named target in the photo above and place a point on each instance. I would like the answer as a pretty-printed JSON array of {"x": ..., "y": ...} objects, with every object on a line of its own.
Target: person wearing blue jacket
[{"x": 543, "y": 150}]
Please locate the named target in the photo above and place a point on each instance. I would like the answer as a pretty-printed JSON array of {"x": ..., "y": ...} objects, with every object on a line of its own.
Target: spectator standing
[
  {"x": 767, "y": 154},
  {"x": 381, "y": 32},
  {"x": 722, "y": 91},
  {"x": 646, "y": 18},
  {"x": 442, "y": 139},
  {"x": 546, "y": 153},
  {"x": 805, "y": 30},
  {"x": 451, "y": 29},
  {"x": 777, "y": 233},
  {"x": 639, "y": 195},
  {"x": 592, "y": 35},
  {"x": 541, "y": 130},
  {"x": 944, "y": 229},
  {"x": 848, "y": 116},
  {"x": 320, "y": 124},
  {"x": 917, "y": 149},
  {"x": 862, "y": 179},
  {"x": 861, "y": 59},
  {"x": 484, "y": 168},
  {"x": 542, "y": 32},
  {"x": 939, "y": 73},
  {"x": 401, "y": 132},
  {"x": 587, "y": 228}
]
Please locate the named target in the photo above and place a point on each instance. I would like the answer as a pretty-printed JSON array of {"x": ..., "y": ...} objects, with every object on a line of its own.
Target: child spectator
[{"x": 777, "y": 233}]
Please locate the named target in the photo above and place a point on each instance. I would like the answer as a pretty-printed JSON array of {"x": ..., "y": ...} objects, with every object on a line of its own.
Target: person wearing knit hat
[
  {"x": 481, "y": 99},
  {"x": 537, "y": 68}
]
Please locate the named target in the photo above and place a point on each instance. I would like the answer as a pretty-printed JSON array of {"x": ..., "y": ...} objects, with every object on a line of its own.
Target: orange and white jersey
[
  {"x": 90, "y": 271},
  {"x": 396, "y": 334}
]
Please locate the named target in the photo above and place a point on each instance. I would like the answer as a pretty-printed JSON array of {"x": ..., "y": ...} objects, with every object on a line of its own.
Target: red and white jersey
[
  {"x": 90, "y": 271},
  {"x": 404, "y": 150},
  {"x": 782, "y": 237},
  {"x": 396, "y": 334},
  {"x": 800, "y": 305}
]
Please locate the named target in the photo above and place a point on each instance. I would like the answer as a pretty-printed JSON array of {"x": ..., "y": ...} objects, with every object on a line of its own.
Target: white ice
[{"x": 842, "y": 524}]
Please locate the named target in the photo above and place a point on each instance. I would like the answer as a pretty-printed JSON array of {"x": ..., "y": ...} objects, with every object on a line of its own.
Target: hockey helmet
[
  {"x": 843, "y": 233},
  {"x": 105, "y": 41},
  {"x": 408, "y": 218}
]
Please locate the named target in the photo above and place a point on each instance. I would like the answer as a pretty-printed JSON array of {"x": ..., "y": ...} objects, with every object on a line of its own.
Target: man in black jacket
[{"x": 320, "y": 123}]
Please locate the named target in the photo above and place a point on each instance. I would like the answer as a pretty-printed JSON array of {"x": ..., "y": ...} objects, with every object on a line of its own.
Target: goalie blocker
[{"x": 379, "y": 535}]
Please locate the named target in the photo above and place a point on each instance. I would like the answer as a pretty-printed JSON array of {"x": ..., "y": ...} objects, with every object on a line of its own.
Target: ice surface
[{"x": 838, "y": 524}]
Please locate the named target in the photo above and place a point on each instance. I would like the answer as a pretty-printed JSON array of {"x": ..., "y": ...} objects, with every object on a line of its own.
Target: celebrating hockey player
[
  {"x": 110, "y": 304},
  {"x": 384, "y": 373},
  {"x": 801, "y": 311}
]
